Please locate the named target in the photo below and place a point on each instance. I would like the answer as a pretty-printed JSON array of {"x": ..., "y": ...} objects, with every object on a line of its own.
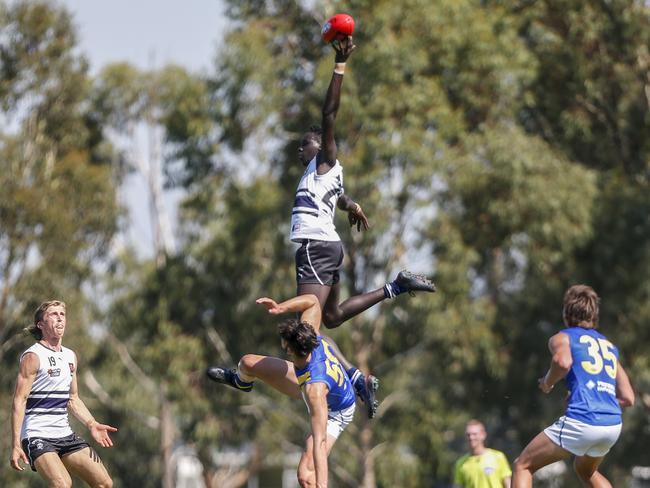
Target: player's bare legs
[
  {"x": 335, "y": 313},
  {"x": 540, "y": 452},
  {"x": 587, "y": 469},
  {"x": 306, "y": 469},
  {"x": 275, "y": 372},
  {"x": 52, "y": 469},
  {"x": 86, "y": 464}
]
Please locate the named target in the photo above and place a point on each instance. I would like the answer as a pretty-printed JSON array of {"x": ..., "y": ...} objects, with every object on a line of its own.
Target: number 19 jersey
[
  {"x": 324, "y": 367},
  {"x": 592, "y": 379},
  {"x": 46, "y": 412}
]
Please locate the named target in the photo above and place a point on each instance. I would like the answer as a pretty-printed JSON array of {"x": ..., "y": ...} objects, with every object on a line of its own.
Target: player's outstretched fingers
[
  {"x": 270, "y": 305},
  {"x": 100, "y": 434}
]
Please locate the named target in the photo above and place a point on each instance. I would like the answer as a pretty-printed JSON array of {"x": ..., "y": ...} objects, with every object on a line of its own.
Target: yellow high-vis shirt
[{"x": 486, "y": 470}]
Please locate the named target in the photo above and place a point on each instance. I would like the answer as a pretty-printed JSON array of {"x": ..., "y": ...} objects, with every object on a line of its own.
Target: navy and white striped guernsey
[
  {"x": 312, "y": 216},
  {"x": 46, "y": 412}
]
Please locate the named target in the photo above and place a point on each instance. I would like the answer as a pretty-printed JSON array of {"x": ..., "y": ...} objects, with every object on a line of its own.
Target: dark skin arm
[
  {"x": 327, "y": 156},
  {"x": 355, "y": 212}
]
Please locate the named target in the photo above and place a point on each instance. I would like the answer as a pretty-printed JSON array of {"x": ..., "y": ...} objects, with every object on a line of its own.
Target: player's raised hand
[
  {"x": 271, "y": 305},
  {"x": 100, "y": 433},
  {"x": 17, "y": 455},
  {"x": 343, "y": 49},
  {"x": 358, "y": 218}
]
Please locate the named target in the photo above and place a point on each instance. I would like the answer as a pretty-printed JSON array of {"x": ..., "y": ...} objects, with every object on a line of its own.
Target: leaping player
[{"x": 320, "y": 256}]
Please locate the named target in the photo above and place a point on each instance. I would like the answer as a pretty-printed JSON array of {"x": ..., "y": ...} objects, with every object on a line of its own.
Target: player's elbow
[
  {"x": 563, "y": 362},
  {"x": 627, "y": 399},
  {"x": 310, "y": 300},
  {"x": 73, "y": 401}
]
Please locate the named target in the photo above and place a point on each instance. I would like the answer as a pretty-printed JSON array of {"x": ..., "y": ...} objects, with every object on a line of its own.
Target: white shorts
[
  {"x": 339, "y": 420},
  {"x": 583, "y": 439}
]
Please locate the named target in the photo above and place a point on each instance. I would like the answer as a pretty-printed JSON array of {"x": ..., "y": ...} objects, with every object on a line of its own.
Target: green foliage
[
  {"x": 58, "y": 208},
  {"x": 500, "y": 146}
]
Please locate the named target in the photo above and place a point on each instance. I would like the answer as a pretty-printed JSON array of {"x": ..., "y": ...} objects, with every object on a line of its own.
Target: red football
[{"x": 341, "y": 25}]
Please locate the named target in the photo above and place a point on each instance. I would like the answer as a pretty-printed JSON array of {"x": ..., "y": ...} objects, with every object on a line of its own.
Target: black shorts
[
  {"x": 319, "y": 262},
  {"x": 37, "y": 446}
]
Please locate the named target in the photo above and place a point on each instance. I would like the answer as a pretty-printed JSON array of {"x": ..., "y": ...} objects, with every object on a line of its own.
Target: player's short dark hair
[
  {"x": 581, "y": 304},
  {"x": 317, "y": 132},
  {"x": 299, "y": 336}
]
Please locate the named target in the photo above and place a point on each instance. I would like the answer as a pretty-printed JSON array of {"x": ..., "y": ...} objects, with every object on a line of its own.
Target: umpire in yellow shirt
[{"x": 482, "y": 467}]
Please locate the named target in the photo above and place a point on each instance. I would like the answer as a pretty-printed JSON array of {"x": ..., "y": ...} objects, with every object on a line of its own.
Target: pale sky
[{"x": 148, "y": 34}]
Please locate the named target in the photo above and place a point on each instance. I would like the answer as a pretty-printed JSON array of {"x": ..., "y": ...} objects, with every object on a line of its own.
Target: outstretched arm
[
  {"x": 355, "y": 212},
  {"x": 560, "y": 364},
  {"x": 98, "y": 431},
  {"x": 332, "y": 100},
  {"x": 29, "y": 365},
  {"x": 307, "y": 305}
]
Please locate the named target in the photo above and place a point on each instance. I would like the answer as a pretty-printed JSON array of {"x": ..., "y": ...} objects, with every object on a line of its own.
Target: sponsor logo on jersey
[
  {"x": 54, "y": 372},
  {"x": 71, "y": 367}
]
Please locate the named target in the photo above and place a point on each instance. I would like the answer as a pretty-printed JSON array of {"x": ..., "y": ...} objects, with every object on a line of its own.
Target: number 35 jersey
[
  {"x": 592, "y": 379},
  {"x": 324, "y": 367}
]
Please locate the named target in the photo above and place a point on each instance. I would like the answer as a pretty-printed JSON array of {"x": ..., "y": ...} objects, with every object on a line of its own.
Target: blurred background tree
[{"x": 499, "y": 146}]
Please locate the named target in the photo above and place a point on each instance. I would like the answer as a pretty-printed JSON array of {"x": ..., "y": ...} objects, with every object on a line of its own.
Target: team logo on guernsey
[
  {"x": 488, "y": 470},
  {"x": 71, "y": 367}
]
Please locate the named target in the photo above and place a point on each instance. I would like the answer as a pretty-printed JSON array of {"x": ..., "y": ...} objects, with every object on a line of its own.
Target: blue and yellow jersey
[
  {"x": 592, "y": 379},
  {"x": 324, "y": 367}
]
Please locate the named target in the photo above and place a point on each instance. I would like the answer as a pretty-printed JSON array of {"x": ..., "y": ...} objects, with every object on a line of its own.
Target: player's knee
[
  {"x": 106, "y": 483},
  {"x": 60, "y": 482},
  {"x": 246, "y": 363},
  {"x": 331, "y": 320},
  {"x": 306, "y": 478},
  {"x": 521, "y": 464}
]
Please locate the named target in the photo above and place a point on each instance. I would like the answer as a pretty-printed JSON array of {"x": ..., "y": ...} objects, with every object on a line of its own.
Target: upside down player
[
  {"x": 320, "y": 256},
  {"x": 598, "y": 388},
  {"x": 313, "y": 373}
]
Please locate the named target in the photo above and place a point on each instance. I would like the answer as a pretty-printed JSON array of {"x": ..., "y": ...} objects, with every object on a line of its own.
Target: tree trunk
[{"x": 166, "y": 440}]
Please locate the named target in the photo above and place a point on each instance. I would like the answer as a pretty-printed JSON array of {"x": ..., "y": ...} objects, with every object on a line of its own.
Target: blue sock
[
  {"x": 392, "y": 289},
  {"x": 241, "y": 384},
  {"x": 357, "y": 378}
]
